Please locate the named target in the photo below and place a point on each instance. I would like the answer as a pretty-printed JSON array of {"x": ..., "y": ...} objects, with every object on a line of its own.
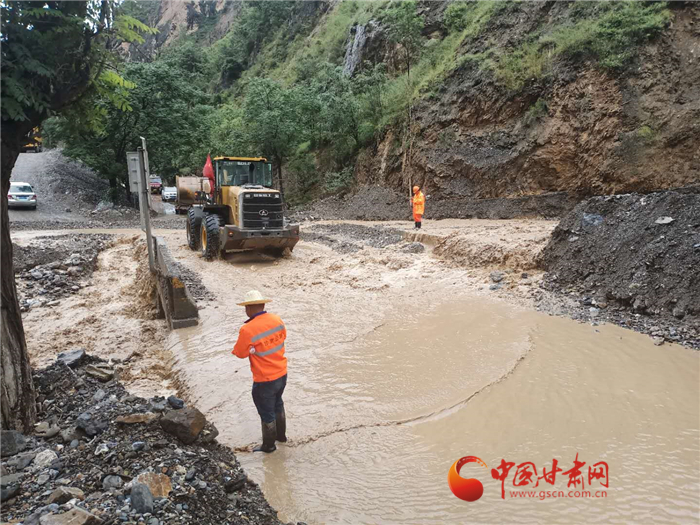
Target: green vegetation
[
  {"x": 608, "y": 32},
  {"x": 274, "y": 84}
]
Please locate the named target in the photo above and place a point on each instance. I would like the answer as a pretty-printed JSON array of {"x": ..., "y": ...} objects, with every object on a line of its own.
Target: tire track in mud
[{"x": 435, "y": 414}]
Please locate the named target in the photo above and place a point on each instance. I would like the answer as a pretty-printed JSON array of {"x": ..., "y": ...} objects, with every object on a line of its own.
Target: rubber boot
[
  {"x": 418, "y": 224},
  {"x": 269, "y": 433},
  {"x": 281, "y": 422}
]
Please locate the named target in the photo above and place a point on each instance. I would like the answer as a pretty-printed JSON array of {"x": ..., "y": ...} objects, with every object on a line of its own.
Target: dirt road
[
  {"x": 402, "y": 361},
  {"x": 32, "y": 168}
]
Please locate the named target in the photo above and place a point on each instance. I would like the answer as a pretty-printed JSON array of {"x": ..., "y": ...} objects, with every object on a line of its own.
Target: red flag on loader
[{"x": 208, "y": 172}]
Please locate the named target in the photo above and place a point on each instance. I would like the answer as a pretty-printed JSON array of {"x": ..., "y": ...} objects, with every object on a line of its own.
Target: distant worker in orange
[
  {"x": 418, "y": 202},
  {"x": 261, "y": 339}
]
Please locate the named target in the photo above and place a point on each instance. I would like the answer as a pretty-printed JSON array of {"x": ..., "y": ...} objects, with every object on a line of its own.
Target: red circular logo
[{"x": 467, "y": 489}]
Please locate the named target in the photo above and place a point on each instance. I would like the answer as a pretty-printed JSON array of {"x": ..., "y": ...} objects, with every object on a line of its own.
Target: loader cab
[{"x": 243, "y": 171}]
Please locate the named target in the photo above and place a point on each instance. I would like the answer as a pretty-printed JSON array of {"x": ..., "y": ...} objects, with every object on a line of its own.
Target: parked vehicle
[
  {"x": 34, "y": 142},
  {"x": 21, "y": 195},
  {"x": 156, "y": 185},
  {"x": 169, "y": 194}
]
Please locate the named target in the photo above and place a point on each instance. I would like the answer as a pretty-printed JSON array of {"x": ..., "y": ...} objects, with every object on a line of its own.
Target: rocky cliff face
[{"x": 582, "y": 129}]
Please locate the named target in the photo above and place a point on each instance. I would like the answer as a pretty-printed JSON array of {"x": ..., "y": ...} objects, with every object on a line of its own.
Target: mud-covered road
[{"x": 407, "y": 351}]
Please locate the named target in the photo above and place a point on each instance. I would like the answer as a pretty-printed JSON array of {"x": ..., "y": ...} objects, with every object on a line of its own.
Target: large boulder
[{"x": 184, "y": 424}]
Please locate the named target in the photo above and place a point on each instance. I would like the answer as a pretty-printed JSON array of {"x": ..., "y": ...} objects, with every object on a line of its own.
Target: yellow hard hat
[
  {"x": 415, "y": 189},
  {"x": 253, "y": 297}
]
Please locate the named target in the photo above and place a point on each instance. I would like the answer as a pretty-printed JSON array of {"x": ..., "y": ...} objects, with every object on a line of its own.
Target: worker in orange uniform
[
  {"x": 261, "y": 339},
  {"x": 418, "y": 202}
]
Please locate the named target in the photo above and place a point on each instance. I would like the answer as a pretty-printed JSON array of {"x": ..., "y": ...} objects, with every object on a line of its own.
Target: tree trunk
[{"x": 17, "y": 400}]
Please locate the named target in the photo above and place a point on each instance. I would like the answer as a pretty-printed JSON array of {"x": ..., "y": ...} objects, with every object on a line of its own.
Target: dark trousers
[{"x": 267, "y": 397}]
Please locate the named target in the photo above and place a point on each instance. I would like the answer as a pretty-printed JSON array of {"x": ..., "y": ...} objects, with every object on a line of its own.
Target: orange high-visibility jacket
[
  {"x": 418, "y": 203},
  {"x": 266, "y": 333}
]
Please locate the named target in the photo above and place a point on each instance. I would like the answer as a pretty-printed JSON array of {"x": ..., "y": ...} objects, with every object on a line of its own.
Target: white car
[
  {"x": 169, "y": 193},
  {"x": 21, "y": 195}
]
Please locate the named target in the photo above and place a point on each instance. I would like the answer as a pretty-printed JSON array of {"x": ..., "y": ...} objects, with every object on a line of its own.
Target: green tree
[
  {"x": 272, "y": 121},
  {"x": 166, "y": 106},
  {"x": 405, "y": 26},
  {"x": 53, "y": 55}
]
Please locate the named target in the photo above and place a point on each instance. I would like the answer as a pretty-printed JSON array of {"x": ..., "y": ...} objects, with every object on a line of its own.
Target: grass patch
[{"x": 608, "y": 32}]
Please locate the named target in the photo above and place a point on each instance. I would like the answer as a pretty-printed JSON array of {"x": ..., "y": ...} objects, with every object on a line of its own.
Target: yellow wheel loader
[{"x": 240, "y": 212}]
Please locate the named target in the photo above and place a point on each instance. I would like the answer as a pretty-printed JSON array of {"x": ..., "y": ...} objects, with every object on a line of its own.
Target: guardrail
[{"x": 175, "y": 302}]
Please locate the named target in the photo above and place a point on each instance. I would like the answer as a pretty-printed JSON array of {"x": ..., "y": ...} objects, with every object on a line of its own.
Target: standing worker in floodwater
[
  {"x": 418, "y": 202},
  {"x": 261, "y": 339}
]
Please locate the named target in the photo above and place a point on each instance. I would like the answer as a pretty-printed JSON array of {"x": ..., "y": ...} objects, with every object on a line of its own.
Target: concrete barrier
[{"x": 174, "y": 301}]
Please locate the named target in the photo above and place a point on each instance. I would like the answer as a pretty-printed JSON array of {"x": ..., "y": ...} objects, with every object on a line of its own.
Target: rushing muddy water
[{"x": 382, "y": 400}]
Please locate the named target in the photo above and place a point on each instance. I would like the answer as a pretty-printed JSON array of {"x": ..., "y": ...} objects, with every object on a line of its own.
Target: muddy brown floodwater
[{"x": 399, "y": 365}]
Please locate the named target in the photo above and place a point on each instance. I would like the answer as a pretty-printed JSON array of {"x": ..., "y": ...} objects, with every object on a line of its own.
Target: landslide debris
[
  {"x": 101, "y": 455},
  {"x": 50, "y": 268},
  {"x": 376, "y": 203},
  {"x": 351, "y": 238},
  {"x": 639, "y": 253}
]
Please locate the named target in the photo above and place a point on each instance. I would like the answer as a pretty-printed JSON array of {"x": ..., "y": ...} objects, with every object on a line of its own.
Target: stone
[
  {"x": 43, "y": 479},
  {"x": 658, "y": 341},
  {"x": 75, "y": 516},
  {"x": 9, "y": 492},
  {"x": 158, "y": 484},
  {"x": 595, "y": 312},
  {"x": 495, "y": 287},
  {"x": 185, "y": 424},
  {"x": 112, "y": 482},
  {"x": 22, "y": 461},
  {"x": 99, "y": 395},
  {"x": 158, "y": 404},
  {"x": 102, "y": 448},
  {"x": 75, "y": 443},
  {"x": 64, "y": 494},
  {"x": 69, "y": 434},
  {"x": 234, "y": 485},
  {"x": 89, "y": 426},
  {"x": 497, "y": 276},
  {"x": 175, "y": 402},
  {"x": 36, "y": 274},
  {"x": 100, "y": 371},
  {"x": 678, "y": 312},
  {"x": 44, "y": 458},
  {"x": 12, "y": 442},
  {"x": 141, "y": 498},
  {"x": 524, "y": 275},
  {"x": 72, "y": 357},
  {"x": 138, "y": 445},
  {"x": 414, "y": 247},
  {"x": 11, "y": 479},
  {"x": 664, "y": 220},
  {"x": 46, "y": 430},
  {"x": 131, "y": 419},
  {"x": 190, "y": 474}
]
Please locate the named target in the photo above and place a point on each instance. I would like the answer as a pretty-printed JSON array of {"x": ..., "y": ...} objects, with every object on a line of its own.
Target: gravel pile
[
  {"x": 634, "y": 259},
  {"x": 351, "y": 238},
  {"x": 100, "y": 455},
  {"x": 51, "y": 268}
]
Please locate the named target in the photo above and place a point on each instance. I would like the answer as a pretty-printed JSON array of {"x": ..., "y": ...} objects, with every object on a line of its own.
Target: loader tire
[
  {"x": 194, "y": 224},
  {"x": 211, "y": 225}
]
